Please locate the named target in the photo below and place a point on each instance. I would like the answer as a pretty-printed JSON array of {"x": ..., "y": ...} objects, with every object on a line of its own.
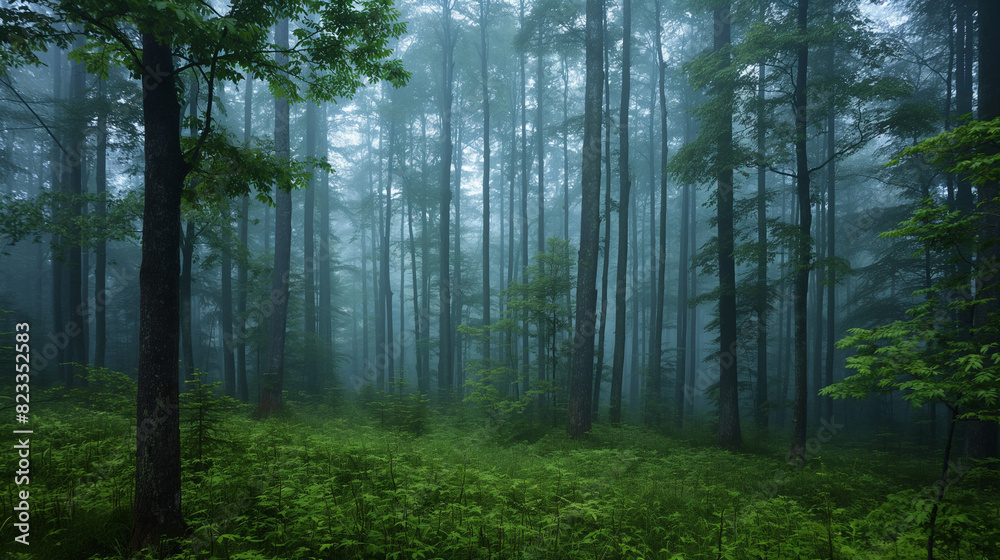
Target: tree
[
  {"x": 149, "y": 37},
  {"x": 625, "y": 187},
  {"x": 582, "y": 371},
  {"x": 445, "y": 350}
]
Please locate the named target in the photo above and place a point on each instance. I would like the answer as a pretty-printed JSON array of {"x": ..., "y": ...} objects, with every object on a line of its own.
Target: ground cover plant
[{"x": 361, "y": 483}]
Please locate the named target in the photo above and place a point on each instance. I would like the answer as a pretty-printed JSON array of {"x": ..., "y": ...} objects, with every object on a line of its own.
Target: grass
[{"x": 353, "y": 485}]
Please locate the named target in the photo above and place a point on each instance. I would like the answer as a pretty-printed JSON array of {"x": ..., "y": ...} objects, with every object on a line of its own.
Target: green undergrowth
[{"x": 350, "y": 486}]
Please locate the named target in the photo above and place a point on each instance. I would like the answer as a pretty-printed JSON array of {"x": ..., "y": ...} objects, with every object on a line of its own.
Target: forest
[{"x": 500, "y": 279}]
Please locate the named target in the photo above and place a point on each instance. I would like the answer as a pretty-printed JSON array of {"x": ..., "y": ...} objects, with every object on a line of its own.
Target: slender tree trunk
[
  {"x": 683, "y": 311},
  {"x": 56, "y": 158},
  {"x": 655, "y": 401},
  {"x": 72, "y": 172},
  {"x": 325, "y": 327},
  {"x": 226, "y": 304},
  {"x": 101, "y": 251},
  {"x": 484, "y": 8},
  {"x": 156, "y": 512},
  {"x": 729, "y": 411},
  {"x": 803, "y": 246},
  {"x": 243, "y": 387},
  {"x": 309, "y": 264},
  {"x": 446, "y": 352},
  {"x": 187, "y": 262},
  {"x": 762, "y": 409},
  {"x": 272, "y": 379},
  {"x": 543, "y": 335},
  {"x": 606, "y": 250},
  {"x": 831, "y": 240},
  {"x": 582, "y": 373},
  {"x": 388, "y": 352},
  {"x": 624, "y": 190},
  {"x": 525, "y": 348},
  {"x": 187, "y": 265}
]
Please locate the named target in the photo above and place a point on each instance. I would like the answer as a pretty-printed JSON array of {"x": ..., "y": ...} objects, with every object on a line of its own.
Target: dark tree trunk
[
  {"x": 445, "y": 350},
  {"x": 729, "y": 411},
  {"x": 761, "y": 413},
  {"x": 525, "y": 348},
  {"x": 243, "y": 389},
  {"x": 484, "y": 8},
  {"x": 187, "y": 264},
  {"x": 101, "y": 251},
  {"x": 226, "y": 303},
  {"x": 683, "y": 311},
  {"x": 312, "y": 345},
  {"x": 156, "y": 512},
  {"x": 72, "y": 177},
  {"x": 803, "y": 246},
  {"x": 540, "y": 146},
  {"x": 624, "y": 190},
  {"x": 273, "y": 378},
  {"x": 606, "y": 250},
  {"x": 582, "y": 373},
  {"x": 325, "y": 327},
  {"x": 983, "y": 435},
  {"x": 655, "y": 401}
]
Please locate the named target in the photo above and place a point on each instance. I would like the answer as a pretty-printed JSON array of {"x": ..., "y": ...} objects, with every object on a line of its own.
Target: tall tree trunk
[
  {"x": 456, "y": 294},
  {"x": 101, "y": 251},
  {"x": 729, "y": 411},
  {"x": 72, "y": 175},
  {"x": 831, "y": 239},
  {"x": 543, "y": 335},
  {"x": 312, "y": 345},
  {"x": 525, "y": 348},
  {"x": 242, "y": 385},
  {"x": 484, "y": 8},
  {"x": 445, "y": 350},
  {"x": 803, "y": 245},
  {"x": 272, "y": 380},
  {"x": 606, "y": 250},
  {"x": 156, "y": 512},
  {"x": 325, "y": 327},
  {"x": 425, "y": 241},
  {"x": 761, "y": 413},
  {"x": 983, "y": 435},
  {"x": 56, "y": 157},
  {"x": 683, "y": 311},
  {"x": 388, "y": 350},
  {"x": 624, "y": 189},
  {"x": 582, "y": 373},
  {"x": 655, "y": 401},
  {"x": 226, "y": 304},
  {"x": 187, "y": 261}
]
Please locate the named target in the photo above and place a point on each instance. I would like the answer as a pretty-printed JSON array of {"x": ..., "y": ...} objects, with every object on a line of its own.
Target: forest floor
[{"x": 395, "y": 480}]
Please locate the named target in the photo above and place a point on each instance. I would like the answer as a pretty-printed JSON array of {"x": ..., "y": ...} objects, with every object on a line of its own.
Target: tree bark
[
  {"x": 484, "y": 7},
  {"x": 156, "y": 512},
  {"x": 242, "y": 386},
  {"x": 312, "y": 346},
  {"x": 272, "y": 380},
  {"x": 445, "y": 350},
  {"x": 655, "y": 400},
  {"x": 624, "y": 191},
  {"x": 729, "y": 434},
  {"x": 803, "y": 245},
  {"x": 590, "y": 220}
]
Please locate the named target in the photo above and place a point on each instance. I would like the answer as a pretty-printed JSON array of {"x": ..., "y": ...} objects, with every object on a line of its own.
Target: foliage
[
  {"x": 936, "y": 354},
  {"x": 326, "y": 486}
]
